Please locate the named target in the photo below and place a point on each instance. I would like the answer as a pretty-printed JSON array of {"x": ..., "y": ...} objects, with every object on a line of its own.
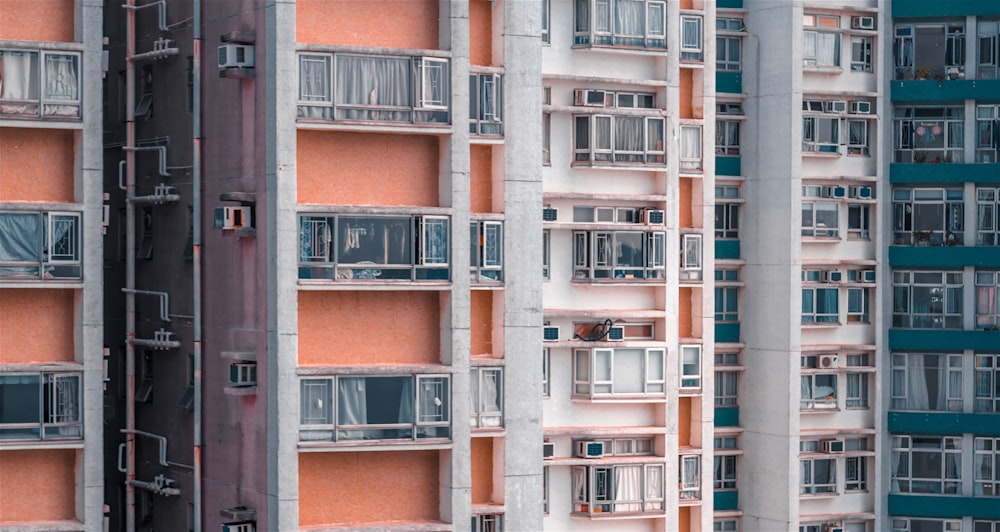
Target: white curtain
[
  {"x": 654, "y": 488},
  {"x": 628, "y": 484},
  {"x": 690, "y": 147},
  {"x": 628, "y": 139},
  {"x": 916, "y": 383},
  {"x": 18, "y": 82},
  {"x": 580, "y": 484},
  {"x": 61, "y": 83},
  {"x": 826, "y": 48},
  {"x": 629, "y": 17},
  {"x": 901, "y": 468},
  {"x": 373, "y": 82},
  {"x": 352, "y": 406}
]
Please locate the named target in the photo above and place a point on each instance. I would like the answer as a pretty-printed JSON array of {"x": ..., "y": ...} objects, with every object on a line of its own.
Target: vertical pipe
[
  {"x": 196, "y": 253},
  {"x": 130, "y": 265}
]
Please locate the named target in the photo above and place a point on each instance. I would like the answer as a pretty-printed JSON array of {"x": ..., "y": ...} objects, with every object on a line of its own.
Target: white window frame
[
  {"x": 858, "y": 305},
  {"x": 942, "y": 288},
  {"x": 813, "y": 228},
  {"x": 546, "y": 373},
  {"x": 987, "y": 382},
  {"x": 858, "y": 221},
  {"x": 725, "y": 44},
  {"x": 809, "y": 382},
  {"x": 725, "y": 144},
  {"x": 692, "y": 37},
  {"x": 946, "y": 451},
  {"x": 726, "y": 525},
  {"x": 808, "y": 484},
  {"x": 595, "y": 489},
  {"x": 821, "y": 133},
  {"x": 59, "y": 402},
  {"x": 487, "y": 251},
  {"x": 988, "y": 40},
  {"x": 485, "y": 104},
  {"x": 928, "y": 216},
  {"x": 726, "y": 471},
  {"x": 856, "y": 474},
  {"x": 987, "y": 216},
  {"x": 861, "y": 54},
  {"x": 690, "y": 367},
  {"x": 595, "y": 25},
  {"x": 690, "y": 148},
  {"x": 817, "y": 36},
  {"x": 54, "y": 99},
  {"x": 810, "y": 311},
  {"x": 856, "y": 390},
  {"x": 916, "y": 131},
  {"x": 726, "y": 295},
  {"x": 949, "y": 368},
  {"x": 859, "y": 145},
  {"x": 691, "y": 256},
  {"x": 950, "y": 40},
  {"x": 587, "y": 383},
  {"x": 596, "y": 256},
  {"x": 484, "y": 414},
  {"x": 487, "y": 523},
  {"x": 986, "y": 467},
  {"x": 48, "y": 262},
  {"x": 689, "y": 477},
  {"x": 587, "y": 151},
  {"x": 546, "y": 254},
  {"x": 904, "y": 524}
]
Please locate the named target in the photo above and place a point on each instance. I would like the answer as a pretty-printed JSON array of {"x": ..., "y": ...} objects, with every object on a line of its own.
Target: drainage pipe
[
  {"x": 130, "y": 265},
  {"x": 196, "y": 254}
]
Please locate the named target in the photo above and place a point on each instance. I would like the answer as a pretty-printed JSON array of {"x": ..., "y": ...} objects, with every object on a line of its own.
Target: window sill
[
  {"x": 387, "y": 526},
  {"x": 818, "y": 495},
  {"x": 818, "y": 69},
  {"x": 820, "y": 325},
  {"x": 810, "y": 411},
  {"x": 429, "y": 128},
  {"x": 375, "y": 445},
  {"x": 651, "y": 167},
  {"x": 620, "y": 282},
  {"x": 485, "y": 139},
  {"x": 821, "y": 154},
  {"x": 37, "y": 122},
  {"x": 27, "y": 445},
  {"x": 821, "y": 239},
  {"x": 623, "y": 398},
  {"x": 619, "y": 49},
  {"x": 7, "y": 282},
  {"x": 604, "y": 516},
  {"x": 47, "y": 526},
  {"x": 326, "y": 284}
]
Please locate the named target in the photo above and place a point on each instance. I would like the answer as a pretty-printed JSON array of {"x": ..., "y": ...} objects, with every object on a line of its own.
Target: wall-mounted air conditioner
[
  {"x": 243, "y": 374},
  {"x": 839, "y": 192},
  {"x": 835, "y": 106},
  {"x": 861, "y": 108},
  {"x": 833, "y": 276},
  {"x": 868, "y": 276},
  {"x": 653, "y": 216},
  {"x": 832, "y": 446},
  {"x": 549, "y": 214},
  {"x": 238, "y": 527},
  {"x": 548, "y": 449},
  {"x": 616, "y": 334},
  {"x": 550, "y": 334},
  {"x": 862, "y": 23},
  {"x": 834, "y": 529},
  {"x": 232, "y": 217},
  {"x": 827, "y": 361},
  {"x": 236, "y": 56},
  {"x": 589, "y": 449}
]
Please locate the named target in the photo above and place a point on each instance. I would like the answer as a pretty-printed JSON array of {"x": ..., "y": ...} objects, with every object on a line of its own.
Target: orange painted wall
[
  {"x": 686, "y": 220},
  {"x": 683, "y": 421},
  {"x": 36, "y": 326},
  {"x": 37, "y": 20},
  {"x": 481, "y": 32},
  {"x": 340, "y": 168},
  {"x": 413, "y": 24},
  {"x": 35, "y": 164},
  {"x": 369, "y": 328},
  {"x": 684, "y": 519},
  {"x": 482, "y": 322},
  {"x": 383, "y": 486},
  {"x": 686, "y": 85},
  {"x": 37, "y": 485},
  {"x": 482, "y": 470},
  {"x": 481, "y": 178},
  {"x": 684, "y": 312}
]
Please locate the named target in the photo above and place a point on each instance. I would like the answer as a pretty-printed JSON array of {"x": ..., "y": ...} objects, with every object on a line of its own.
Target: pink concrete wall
[
  {"x": 482, "y": 470},
  {"x": 481, "y": 178},
  {"x": 413, "y": 24},
  {"x": 481, "y": 32},
  {"x": 35, "y": 164},
  {"x": 36, "y": 326},
  {"x": 37, "y": 20},
  {"x": 481, "y": 322},
  {"x": 37, "y": 485}
]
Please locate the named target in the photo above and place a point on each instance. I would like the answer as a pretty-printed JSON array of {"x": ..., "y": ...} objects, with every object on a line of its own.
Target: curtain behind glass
[
  {"x": 373, "y": 82},
  {"x": 20, "y": 241},
  {"x": 18, "y": 81},
  {"x": 628, "y": 139},
  {"x": 628, "y": 483},
  {"x": 916, "y": 385},
  {"x": 61, "y": 83},
  {"x": 628, "y": 18},
  {"x": 352, "y": 406}
]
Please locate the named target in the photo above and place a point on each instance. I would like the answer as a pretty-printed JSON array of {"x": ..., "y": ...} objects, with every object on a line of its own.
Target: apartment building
[
  {"x": 940, "y": 389},
  {"x": 629, "y": 107},
  {"x": 51, "y": 361},
  {"x": 331, "y": 247}
]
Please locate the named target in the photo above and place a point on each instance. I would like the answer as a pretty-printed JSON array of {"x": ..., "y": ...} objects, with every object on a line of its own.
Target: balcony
[
  {"x": 980, "y": 424},
  {"x": 943, "y": 339},
  {"x": 618, "y": 490},
  {"x": 599, "y": 25},
  {"x": 929, "y": 90},
  {"x": 943, "y": 256},
  {"x": 39, "y": 84},
  {"x": 944, "y": 506}
]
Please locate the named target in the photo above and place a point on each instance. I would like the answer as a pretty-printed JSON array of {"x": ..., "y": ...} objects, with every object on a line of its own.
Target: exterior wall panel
[
  {"x": 481, "y": 178},
  {"x": 37, "y": 20},
  {"x": 36, "y": 164},
  {"x": 36, "y": 326},
  {"x": 412, "y": 24},
  {"x": 37, "y": 485}
]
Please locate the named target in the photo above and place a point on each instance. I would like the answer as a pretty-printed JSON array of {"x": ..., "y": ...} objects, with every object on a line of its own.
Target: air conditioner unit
[
  {"x": 236, "y": 55},
  {"x": 832, "y": 446},
  {"x": 833, "y": 276},
  {"x": 232, "y": 217},
  {"x": 590, "y": 98},
  {"x": 861, "y": 108},
  {"x": 548, "y": 449},
  {"x": 835, "y": 106},
  {"x": 839, "y": 192},
  {"x": 863, "y": 23},
  {"x": 826, "y": 192},
  {"x": 589, "y": 449},
  {"x": 865, "y": 192},
  {"x": 827, "y": 361},
  {"x": 549, "y": 214},
  {"x": 616, "y": 334},
  {"x": 238, "y": 527},
  {"x": 868, "y": 276},
  {"x": 653, "y": 216},
  {"x": 550, "y": 334},
  {"x": 834, "y": 529},
  {"x": 243, "y": 374}
]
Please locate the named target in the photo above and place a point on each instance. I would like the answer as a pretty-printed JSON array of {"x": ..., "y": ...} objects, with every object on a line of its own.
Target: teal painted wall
[
  {"x": 731, "y": 82},
  {"x": 729, "y": 166},
  {"x": 726, "y": 500},
  {"x": 944, "y": 423},
  {"x": 727, "y": 416},
  {"x": 943, "y": 340},
  {"x": 727, "y": 249},
  {"x": 944, "y": 173},
  {"x": 929, "y": 90},
  {"x": 944, "y": 8},
  {"x": 727, "y": 332},
  {"x": 945, "y": 256},
  {"x": 944, "y": 506}
]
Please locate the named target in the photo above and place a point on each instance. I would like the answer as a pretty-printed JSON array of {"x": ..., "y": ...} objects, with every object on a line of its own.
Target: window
[
  {"x": 40, "y": 245},
  {"x": 546, "y": 18},
  {"x": 341, "y": 247},
  {"x": 820, "y": 134},
  {"x": 928, "y": 216},
  {"x": 861, "y": 54},
  {"x": 486, "y": 254},
  {"x": 487, "y": 523},
  {"x": 40, "y": 406},
  {"x": 925, "y": 525},
  {"x": 726, "y": 525},
  {"x": 690, "y": 366},
  {"x": 727, "y": 137},
  {"x": 985, "y": 526},
  {"x": 725, "y": 472},
  {"x": 987, "y": 217},
  {"x": 691, "y": 147},
  {"x": 857, "y": 137},
  {"x": 727, "y": 304},
  {"x": 727, "y": 211},
  {"x": 856, "y": 473},
  {"x": 727, "y": 379},
  {"x": 40, "y": 84},
  {"x": 399, "y": 407},
  {"x": 929, "y": 51},
  {"x": 819, "y": 305},
  {"x": 545, "y": 490},
  {"x": 987, "y": 383},
  {"x": 818, "y": 391},
  {"x": 926, "y": 464},
  {"x": 374, "y": 88},
  {"x": 821, "y": 41},
  {"x": 858, "y": 221},
  {"x": 988, "y": 34},
  {"x": 691, "y": 257},
  {"x": 987, "y": 299},
  {"x": 727, "y": 53},
  {"x": 817, "y": 476},
  {"x": 857, "y": 390},
  {"x": 691, "y": 38},
  {"x": 820, "y": 219},
  {"x": 926, "y": 382},
  {"x": 857, "y": 305},
  {"x": 487, "y": 397},
  {"x": 618, "y": 255},
  {"x": 929, "y": 134},
  {"x": 689, "y": 477},
  {"x": 629, "y": 23},
  {"x": 987, "y": 467},
  {"x": 927, "y": 300},
  {"x": 604, "y": 372},
  {"x": 546, "y": 254},
  {"x": 618, "y": 140},
  {"x": 546, "y": 138},
  {"x": 485, "y": 104},
  {"x": 631, "y": 488}
]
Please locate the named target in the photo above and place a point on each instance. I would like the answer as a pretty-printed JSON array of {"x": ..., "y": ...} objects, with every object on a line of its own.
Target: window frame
[
  {"x": 808, "y": 482},
  {"x": 596, "y": 260},
  {"x": 594, "y": 490},
  {"x": 812, "y": 227},
  {"x": 928, "y": 216},
  {"x": 903, "y": 474},
  {"x": 987, "y": 382},
  {"x": 692, "y": 38},
  {"x": 988, "y": 216},
  {"x": 947, "y": 294},
  {"x": 486, "y": 105},
  {"x": 587, "y": 152},
  {"x": 46, "y": 105},
  {"x": 587, "y": 384},
  {"x": 917, "y": 128},
  {"x": 689, "y": 372},
  {"x": 589, "y": 31},
  {"x": 726, "y": 472},
  {"x": 856, "y": 474},
  {"x": 689, "y": 477},
  {"x": 486, "y": 253},
  {"x": 861, "y": 54},
  {"x": 483, "y": 415},
  {"x": 909, "y": 66},
  {"x": 810, "y": 310},
  {"x": 949, "y": 370},
  {"x": 812, "y": 21},
  {"x": 986, "y": 467},
  {"x": 725, "y": 145},
  {"x": 58, "y": 417},
  {"x": 47, "y": 264},
  {"x": 724, "y": 45},
  {"x": 858, "y": 221},
  {"x": 691, "y": 150}
]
